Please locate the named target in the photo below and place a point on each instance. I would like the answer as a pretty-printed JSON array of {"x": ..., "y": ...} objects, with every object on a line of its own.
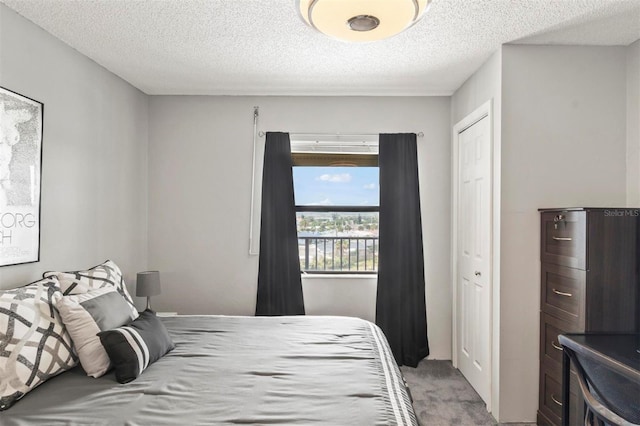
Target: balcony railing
[{"x": 338, "y": 254}]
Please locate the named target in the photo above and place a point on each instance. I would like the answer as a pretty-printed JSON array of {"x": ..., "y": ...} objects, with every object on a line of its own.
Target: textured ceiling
[{"x": 262, "y": 47}]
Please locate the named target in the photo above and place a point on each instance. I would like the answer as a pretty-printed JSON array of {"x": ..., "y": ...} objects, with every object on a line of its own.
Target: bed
[{"x": 228, "y": 370}]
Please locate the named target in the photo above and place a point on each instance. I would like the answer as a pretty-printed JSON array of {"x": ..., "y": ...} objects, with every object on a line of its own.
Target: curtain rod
[{"x": 261, "y": 134}]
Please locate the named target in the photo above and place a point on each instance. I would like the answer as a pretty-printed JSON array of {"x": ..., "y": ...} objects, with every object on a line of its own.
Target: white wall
[
  {"x": 346, "y": 295},
  {"x": 483, "y": 86},
  {"x": 94, "y": 165},
  {"x": 633, "y": 124},
  {"x": 563, "y": 144},
  {"x": 200, "y": 164}
]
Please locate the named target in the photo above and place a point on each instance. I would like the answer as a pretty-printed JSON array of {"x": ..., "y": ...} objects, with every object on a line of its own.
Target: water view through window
[{"x": 337, "y": 218}]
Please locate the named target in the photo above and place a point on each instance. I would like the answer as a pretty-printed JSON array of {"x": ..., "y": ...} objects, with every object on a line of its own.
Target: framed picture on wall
[{"x": 20, "y": 170}]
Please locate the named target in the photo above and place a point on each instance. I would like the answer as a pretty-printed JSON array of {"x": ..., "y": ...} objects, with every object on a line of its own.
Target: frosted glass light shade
[{"x": 362, "y": 20}]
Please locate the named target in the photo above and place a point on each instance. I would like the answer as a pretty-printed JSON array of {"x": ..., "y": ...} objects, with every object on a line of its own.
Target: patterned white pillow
[
  {"x": 34, "y": 343},
  {"x": 87, "y": 314},
  {"x": 105, "y": 274}
]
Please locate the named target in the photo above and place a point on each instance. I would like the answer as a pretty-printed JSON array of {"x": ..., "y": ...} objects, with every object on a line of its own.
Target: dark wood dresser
[{"x": 590, "y": 281}]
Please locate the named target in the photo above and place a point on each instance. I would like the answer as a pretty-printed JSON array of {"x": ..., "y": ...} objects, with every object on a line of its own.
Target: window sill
[{"x": 338, "y": 276}]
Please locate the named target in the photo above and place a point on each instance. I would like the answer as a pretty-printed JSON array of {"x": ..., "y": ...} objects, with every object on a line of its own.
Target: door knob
[{"x": 478, "y": 273}]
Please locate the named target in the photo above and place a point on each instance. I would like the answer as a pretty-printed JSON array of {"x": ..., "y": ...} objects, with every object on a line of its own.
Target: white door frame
[{"x": 484, "y": 110}]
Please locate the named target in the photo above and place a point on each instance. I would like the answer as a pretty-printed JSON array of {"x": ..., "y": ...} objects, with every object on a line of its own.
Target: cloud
[
  {"x": 370, "y": 186},
  {"x": 341, "y": 178},
  {"x": 325, "y": 202}
]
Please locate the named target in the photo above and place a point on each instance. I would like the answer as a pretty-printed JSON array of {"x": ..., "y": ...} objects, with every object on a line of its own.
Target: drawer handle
[
  {"x": 553, "y": 343},
  {"x": 555, "y": 400},
  {"x": 562, "y": 238},
  {"x": 562, "y": 293}
]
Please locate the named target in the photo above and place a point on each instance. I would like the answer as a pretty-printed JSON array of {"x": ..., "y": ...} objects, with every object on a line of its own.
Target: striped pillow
[{"x": 132, "y": 348}]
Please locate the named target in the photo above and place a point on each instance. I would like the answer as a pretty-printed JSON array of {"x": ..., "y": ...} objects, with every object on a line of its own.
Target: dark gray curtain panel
[
  {"x": 279, "y": 284},
  {"x": 400, "y": 303}
]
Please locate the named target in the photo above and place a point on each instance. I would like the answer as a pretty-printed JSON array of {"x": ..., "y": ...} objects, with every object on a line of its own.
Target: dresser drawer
[
  {"x": 550, "y": 328},
  {"x": 551, "y": 397},
  {"x": 564, "y": 239},
  {"x": 563, "y": 293}
]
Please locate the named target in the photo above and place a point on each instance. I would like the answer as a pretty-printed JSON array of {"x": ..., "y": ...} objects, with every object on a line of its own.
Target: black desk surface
[{"x": 620, "y": 352}]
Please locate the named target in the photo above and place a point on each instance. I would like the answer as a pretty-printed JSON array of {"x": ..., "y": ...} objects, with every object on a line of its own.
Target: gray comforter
[{"x": 239, "y": 371}]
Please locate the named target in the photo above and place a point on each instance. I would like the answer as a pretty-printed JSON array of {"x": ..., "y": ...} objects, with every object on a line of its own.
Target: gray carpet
[{"x": 442, "y": 396}]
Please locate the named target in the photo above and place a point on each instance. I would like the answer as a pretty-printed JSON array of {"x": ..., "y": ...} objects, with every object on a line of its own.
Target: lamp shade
[
  {"x": 148, "y": 283},
  {"x": 361, "y": 20}
]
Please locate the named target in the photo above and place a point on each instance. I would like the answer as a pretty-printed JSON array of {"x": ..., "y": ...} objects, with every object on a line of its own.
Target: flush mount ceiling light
[{"x": 361, "y": 20}]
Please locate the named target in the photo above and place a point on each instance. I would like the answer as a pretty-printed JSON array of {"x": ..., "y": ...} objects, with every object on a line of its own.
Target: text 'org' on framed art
[{"x": 20, "y": 169}]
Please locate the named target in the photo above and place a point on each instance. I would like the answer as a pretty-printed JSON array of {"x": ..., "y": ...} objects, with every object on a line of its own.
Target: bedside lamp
[{"x": 147, "y": 285}]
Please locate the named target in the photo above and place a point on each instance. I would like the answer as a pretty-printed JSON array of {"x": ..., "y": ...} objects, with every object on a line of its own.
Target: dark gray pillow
[{"x": 135, "y": 346}]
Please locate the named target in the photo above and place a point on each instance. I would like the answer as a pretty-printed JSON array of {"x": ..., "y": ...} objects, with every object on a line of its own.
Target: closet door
[{"x": 473, "y": 316}]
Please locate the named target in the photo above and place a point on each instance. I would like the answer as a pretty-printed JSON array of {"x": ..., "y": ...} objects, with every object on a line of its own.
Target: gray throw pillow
[
  {"x": 87, "y": 314},
  {"x": 132, "y": 348}
]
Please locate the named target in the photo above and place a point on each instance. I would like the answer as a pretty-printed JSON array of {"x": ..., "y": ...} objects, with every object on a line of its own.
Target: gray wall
[
  {"x": 563, "y": 145},
  {"x": 94, "y": 165},
  {"x": 633, "y": 124},
  {"x": 347, "y": 295},
  {"x": 200, "y": 167},
  {"x": 560, "y": 140}
]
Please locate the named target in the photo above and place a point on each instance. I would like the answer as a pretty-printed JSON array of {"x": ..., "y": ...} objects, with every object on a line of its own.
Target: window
[{"x": 337, "y": 204}]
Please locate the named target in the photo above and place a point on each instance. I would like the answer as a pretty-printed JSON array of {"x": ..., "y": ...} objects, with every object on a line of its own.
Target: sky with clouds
[{"x": 336, "y": 186}]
